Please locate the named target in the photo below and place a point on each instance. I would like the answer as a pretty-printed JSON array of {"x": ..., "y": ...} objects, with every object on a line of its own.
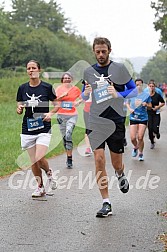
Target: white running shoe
[
  {"x": 51, "y": 180},
  {"x": 88, "y": 152},
  {"x": 39, "y": 192}
]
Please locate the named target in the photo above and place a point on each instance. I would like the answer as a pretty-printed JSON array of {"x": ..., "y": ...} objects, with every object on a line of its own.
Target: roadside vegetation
[{"x": 10, "y": 126}]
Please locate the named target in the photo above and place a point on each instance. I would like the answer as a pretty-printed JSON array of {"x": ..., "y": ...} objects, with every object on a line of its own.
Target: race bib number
[
  {"x": 101, "y": 94},
  {"x": 136, "y": 116},
  {"x": 34, "y": 124},
  {"x": 66, "y": 105}
]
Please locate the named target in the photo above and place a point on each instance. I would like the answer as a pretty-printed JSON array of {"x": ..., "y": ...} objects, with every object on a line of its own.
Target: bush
[
  {"x": 21, "y": 69},
  {"x": 53, "y": 69}
]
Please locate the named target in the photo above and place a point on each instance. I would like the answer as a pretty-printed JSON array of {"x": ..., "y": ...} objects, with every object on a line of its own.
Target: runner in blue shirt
[{"x": 138, "y": 118}]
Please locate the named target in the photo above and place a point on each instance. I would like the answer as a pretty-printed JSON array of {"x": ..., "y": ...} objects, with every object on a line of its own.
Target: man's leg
[
  {"x": 102, "y": 181},
  {"x": 116, "y": 159},
  {"x": 101, "y": 175}
]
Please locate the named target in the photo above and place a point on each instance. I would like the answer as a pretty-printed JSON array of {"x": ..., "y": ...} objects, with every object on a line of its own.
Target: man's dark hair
[
  {"x": 101, "y": 41},
  {"x": 138, "y": 79}
]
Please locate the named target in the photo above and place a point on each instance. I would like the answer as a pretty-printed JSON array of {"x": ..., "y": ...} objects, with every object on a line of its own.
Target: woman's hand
[
  {"x": 19, "y": 109},
  {"x": 61, "y": 96},
  {"x": 47, "y": 117},
  {"x": 155, "y": 108}
]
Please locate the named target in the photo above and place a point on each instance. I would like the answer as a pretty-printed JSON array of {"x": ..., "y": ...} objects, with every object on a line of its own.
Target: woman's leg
[
  {"x": 141, "y": 131},
  {"x": 156, "y": 124},
  {"x": 37, "y": 154},
  {"x": 150, "y": 127},
  {"x": 133, "y": 135}
]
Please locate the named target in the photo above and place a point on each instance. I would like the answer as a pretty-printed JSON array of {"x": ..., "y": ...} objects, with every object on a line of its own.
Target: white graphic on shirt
[
  {"x": 34, "y": 101},
  {"x": 102, "y": 80}
]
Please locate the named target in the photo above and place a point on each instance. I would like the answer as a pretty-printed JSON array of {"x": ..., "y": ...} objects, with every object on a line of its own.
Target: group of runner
[{"x": 107, "y": 85}]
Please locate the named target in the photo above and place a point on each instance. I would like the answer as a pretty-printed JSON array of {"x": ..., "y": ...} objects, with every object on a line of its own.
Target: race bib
[
  {"x": 66, "y": 105},
  {"x": 34, "y": 124},
  {"x": 101, "y": 94},
  {"x": 136, "y": 116}
]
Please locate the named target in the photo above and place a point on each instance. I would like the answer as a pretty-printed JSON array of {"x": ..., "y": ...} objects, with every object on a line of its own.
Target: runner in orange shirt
[{"x": 67, "y": 114}]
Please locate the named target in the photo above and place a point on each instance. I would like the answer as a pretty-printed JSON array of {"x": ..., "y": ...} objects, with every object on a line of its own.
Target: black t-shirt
[
  {"x": 36, "y": 101},
  {"x": 113, "y": 108},
  {"x": 155, "y": 100}
]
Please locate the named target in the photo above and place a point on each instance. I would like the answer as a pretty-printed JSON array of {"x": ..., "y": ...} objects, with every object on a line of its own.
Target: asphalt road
[{"x": 67, "y": 222}]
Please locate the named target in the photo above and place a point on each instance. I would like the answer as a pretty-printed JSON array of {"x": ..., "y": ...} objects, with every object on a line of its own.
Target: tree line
[
  {"x": 157, "y": 65},
  {"x": 39, "y": 30},
  {"x": 36, "y": 29}
]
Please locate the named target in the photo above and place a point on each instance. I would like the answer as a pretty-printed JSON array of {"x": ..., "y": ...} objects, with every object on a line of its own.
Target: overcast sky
[{"x": 127, "y": 23}]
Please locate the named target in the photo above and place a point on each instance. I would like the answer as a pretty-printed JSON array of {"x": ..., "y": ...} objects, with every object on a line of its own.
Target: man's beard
[{"x": 103, "y": 61}]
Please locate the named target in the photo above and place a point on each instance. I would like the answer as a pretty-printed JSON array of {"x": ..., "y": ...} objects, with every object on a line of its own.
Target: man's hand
[
  {"x": 112, "y": 91},
  {"x": 87, "y": 90}
]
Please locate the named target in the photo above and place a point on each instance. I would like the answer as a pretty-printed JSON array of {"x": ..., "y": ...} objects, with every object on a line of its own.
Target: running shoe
[
  {"x": 105, "y": 211},
  {"x": 39, "y": 192},
  {"x": 158, "y": 135},
  {"x": 125, "y": 142},
  {"x": 141, "y": 158},
  {"x": 123, "y": 183},
  {"x": 52, "y": 181},
  {"x": 152, "y": 146},
  {"x": 88, "y": 151},
  {"x": 134, "y": 152},
  {"x": 69, "y": 163}
]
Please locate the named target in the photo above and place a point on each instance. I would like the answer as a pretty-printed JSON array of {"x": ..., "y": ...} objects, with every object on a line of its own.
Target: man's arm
[{"x": 131, "y": 90}]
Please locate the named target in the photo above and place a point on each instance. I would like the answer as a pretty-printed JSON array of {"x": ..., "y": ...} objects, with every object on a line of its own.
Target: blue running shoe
[
  {"x": 134, "y": 152},
  {"x": 105, "y": 211},
  {"x": 69, "y": 163},
  {"x": 141, "y": 158}
]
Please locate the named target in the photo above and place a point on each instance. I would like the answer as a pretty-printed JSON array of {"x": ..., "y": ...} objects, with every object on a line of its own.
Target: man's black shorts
[{"x": 115, "y": 141}]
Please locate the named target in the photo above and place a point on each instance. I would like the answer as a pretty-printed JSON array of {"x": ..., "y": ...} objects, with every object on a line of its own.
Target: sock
[
  {"x": 49, "y": 173},
  {"x": 118, "y": 175},
  {"x": 106, "y": 200},
  {"x": 69, "y": 157}
]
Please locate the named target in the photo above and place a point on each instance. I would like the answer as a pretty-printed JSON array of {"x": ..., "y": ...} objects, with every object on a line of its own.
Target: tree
[
  {"x": 156, "y": 68},
  {"x": 4, "y": 41},
  {"x": 161, "y": 19},
  {"x": 38, "y": 14},
  {"x": 37, "y": 30}
]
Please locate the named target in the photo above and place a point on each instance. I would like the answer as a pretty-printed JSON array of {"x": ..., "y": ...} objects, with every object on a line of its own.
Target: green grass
[{"x": 10, "y": 128}]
